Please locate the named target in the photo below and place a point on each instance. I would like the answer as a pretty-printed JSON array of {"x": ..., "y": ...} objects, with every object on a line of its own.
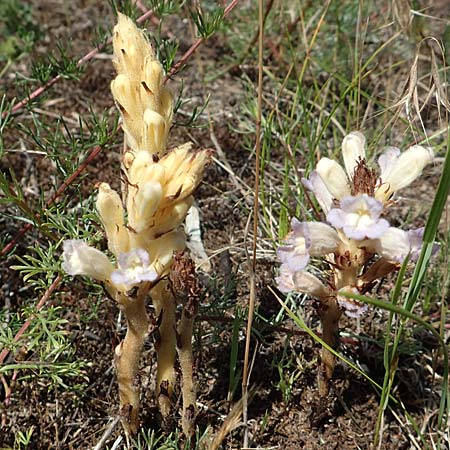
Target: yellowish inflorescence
[{"x": 158, "y": 183}]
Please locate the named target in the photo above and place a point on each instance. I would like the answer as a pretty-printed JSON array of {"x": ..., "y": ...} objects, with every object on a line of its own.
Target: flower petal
[
  {"x": 334, "y": 177},
  {"x": 352, "y": 308},
  {"x": 295, "y": 251},
  {"x": 407, "y": 167},
  {"x": 81, "y": 259},
  {"x": 134, "y": 267},
  {"x": 387, "y": 161},
  {"x": 309, "y": 284},
  {"x": 320, "y": 190},
  {"x": 110, "y": 209},
  {"x": 393, "y": 245},
  {"x": 324, "y": 239},
  {"x": 353, "y": 150},
  {"x": 284, "y": 281}
]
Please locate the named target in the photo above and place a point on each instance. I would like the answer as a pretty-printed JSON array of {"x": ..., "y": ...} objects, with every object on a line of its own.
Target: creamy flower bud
[
  {"x": 110, "y": 209},
  {"x": 170, "y": 218},
  {"x": 144, "y": 169},
  {"x": 353, "y": 150},
  {"x": 130, "y": 46},
  {"x": 334, "y": 177},
  {"x": 183, "y": 171},
  {"x": 154, "y": 132},
  {"x": 151, "y": 88},
  {"x": 80, "y": 259},
  {"x": 126, "y": 95},
  {"x": 166, "y": 105},
  {"x": 402, "y": 171},
  {"x": 144, "y": 204}
]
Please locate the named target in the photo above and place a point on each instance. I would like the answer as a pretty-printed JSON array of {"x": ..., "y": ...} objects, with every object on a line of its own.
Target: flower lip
[
  {"x": 134, "y": 267},
  {"x": 359, "y": 217},
  {"x": 295, "y": 251},
  {"x": 352, "y": 308},
  {"x": 284, "y": 281}
]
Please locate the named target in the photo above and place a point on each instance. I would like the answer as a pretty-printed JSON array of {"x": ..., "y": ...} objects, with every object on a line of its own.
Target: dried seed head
[
  {"x": 183, "y": 280},
  {"x": 364, "y": 180}
]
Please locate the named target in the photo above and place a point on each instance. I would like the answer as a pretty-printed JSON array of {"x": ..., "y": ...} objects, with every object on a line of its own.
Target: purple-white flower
[
  {"x": 330, "y": 180},
  {"x": 284, "y": 281},
  {"x": 295, "y": 251},
  {"x": 134, "y": 267},
  {"x": 359, "y": 217},
  {"x": 396, "y": 244},
  {"x": 397, "y": 170},
  {"x": 307, "y": 239}
]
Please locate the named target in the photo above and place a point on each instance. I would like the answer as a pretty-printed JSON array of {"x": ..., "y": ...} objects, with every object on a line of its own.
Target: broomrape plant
[
  {"x": 143, "y": 229},
  {"x": 356, "y": 241}
]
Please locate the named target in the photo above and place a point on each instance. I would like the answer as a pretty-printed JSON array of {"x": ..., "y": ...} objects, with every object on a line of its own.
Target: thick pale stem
[
  {"x": 186, "y": 359},
  {"x": 165, "y": 307},
  {"x": 127, "y": 355}
]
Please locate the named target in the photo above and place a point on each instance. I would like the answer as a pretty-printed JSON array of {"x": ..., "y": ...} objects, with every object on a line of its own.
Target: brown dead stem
[
  {"x": 330, "y": 313},
  {"x": 185, "y": 288}
]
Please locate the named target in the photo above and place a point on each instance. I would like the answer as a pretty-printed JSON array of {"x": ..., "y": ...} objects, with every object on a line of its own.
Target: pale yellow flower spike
[{"x": 144, "y": 102}]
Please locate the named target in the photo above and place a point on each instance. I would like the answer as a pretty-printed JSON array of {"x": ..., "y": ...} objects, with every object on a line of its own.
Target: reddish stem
[
  {"x": 44, "y": 298},
  {"x": 8, "y": 247},
  {"x": 55, "y": 79},
  {"x": 182, "y": 61}
]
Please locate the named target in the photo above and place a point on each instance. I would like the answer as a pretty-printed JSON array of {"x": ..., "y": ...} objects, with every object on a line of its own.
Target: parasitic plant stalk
[
  {"x": 357, "y": 243},
  {"x": 165, "y": 346},
  {"x": 143, "y": 226},
  {"x": 126, "y": 358}
]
